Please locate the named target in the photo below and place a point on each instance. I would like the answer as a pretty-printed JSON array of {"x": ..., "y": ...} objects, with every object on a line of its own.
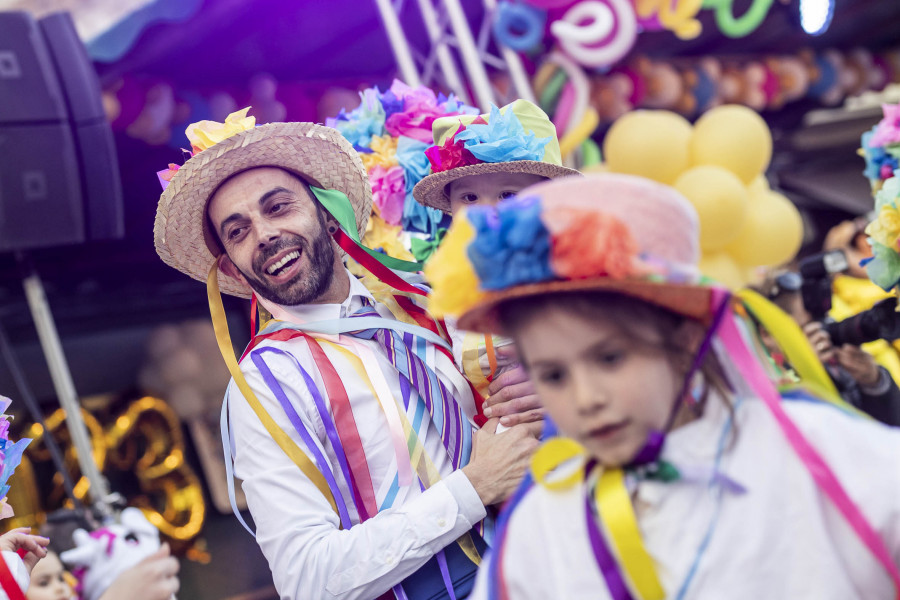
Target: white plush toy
[{"x": 99, "y": 557}]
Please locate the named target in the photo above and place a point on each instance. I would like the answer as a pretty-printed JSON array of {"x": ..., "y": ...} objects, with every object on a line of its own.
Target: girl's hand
[{"x": 35, "y": 546}]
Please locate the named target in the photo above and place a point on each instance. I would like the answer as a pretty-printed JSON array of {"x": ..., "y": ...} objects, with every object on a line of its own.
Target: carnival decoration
[
  {"x": 143, "y": 439},
  {"x": 881, "y": 148},
  {"x": 100, "y": 556},
  {"x": 883, "y": 268},
  {"x": 391, "y": 131},
  {"x": 10, "y": 457},
  {"x": 719, "y": 165}
]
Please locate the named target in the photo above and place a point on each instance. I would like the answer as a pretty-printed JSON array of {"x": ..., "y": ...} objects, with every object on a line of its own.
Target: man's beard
[{"x": 305, "y": 287}]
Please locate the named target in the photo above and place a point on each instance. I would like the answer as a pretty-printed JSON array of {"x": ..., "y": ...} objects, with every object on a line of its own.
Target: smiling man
[{"x": 351, "y": 426}]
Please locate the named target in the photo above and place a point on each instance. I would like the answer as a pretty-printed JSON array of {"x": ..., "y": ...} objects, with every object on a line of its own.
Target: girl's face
[
  {"x": 604, "y": 388},
  {"x": 48, "y": 580},
  {"x": 489, "y": 188}
]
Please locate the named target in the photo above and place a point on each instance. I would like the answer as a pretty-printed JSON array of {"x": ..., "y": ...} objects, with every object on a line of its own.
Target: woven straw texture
[
  {"x": 430, "y": 191},
  {"x": 318, "y": 154}
]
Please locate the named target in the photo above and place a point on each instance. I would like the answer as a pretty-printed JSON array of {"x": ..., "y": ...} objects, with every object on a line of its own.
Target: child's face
[
  {"x": 48, "y": 580},
  {"x": 601, "y": 386},
  {"x": 489, "y": 188}
]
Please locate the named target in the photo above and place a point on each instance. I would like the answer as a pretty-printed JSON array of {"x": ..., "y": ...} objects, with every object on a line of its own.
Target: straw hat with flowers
[
  {"x": 319, "y": 155},
  {"x": 518, "y": 138}
]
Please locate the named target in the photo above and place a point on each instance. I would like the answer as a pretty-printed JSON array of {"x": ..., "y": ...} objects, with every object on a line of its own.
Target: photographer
[{"x": 860, "y": 380}]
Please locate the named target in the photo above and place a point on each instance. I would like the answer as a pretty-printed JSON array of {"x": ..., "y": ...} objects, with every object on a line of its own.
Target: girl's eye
[
  {"x": 507, "y": 194},
  {"x": 470, "y": 198},
  {"x": 551, "y": 376},
  {"x": 610, "y": 359}
]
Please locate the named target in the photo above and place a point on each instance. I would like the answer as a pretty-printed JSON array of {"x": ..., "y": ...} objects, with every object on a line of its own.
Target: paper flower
[
  {"x": 511, "y": 246},
  {"x": 205, "y": 134},
  {"x": 420, "y": 109},
  {"x": 388, "y": 192},
  {"x": 451, "y": 155},
  {"x": 887, "y": 132},
  {"x": 383, "y": 152},
  {"x": 880, "y": 164},
  {"x": 885, "y": 229},
  {"x": 452, "y": 277},
  {"x": 363, "y": 122},
  {"x": 453, "y": 105},
  {"x": 387, "y": 238},
  {"x": 416, "y": 217},
  {"x": 502, "y": 139},
  {"x": 883, "y": 268},
  {"x": 589, "y": 244},
  {"x": 10, "y": 457}
]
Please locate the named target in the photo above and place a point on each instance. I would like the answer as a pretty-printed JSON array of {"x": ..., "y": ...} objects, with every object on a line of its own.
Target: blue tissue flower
[
  {"x": 363, "y": 122},
  {"x": 503, "y": 139},
  {"x": 416, "y": 217},
  {"x": 391, "y": 103},
  {"x": 511, "y": 245},
  {"x": 877, "y": 158}
]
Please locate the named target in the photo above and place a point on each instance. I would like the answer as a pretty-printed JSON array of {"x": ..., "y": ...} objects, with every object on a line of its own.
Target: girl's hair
[{"x": 628, "y": 314}]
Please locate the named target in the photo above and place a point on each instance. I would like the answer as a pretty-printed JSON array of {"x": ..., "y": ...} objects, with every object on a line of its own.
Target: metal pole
[
  {"x": 65, "y": 388},
  {"x": 398, "y": 43},
  {"x": 484, "y": 94},
  {"x": 442, "y": 51},
  {"x": 513, "y": 62}
]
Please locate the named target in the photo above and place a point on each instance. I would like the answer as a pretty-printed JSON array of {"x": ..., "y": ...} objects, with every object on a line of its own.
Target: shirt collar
[{"x": 310, "y": 313}]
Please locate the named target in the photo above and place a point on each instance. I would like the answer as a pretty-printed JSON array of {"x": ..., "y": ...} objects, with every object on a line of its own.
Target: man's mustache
[{"x": 278, "y": 246}]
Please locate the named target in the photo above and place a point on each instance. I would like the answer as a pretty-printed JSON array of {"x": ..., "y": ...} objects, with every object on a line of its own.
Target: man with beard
[{"x": 348, "y": 420}]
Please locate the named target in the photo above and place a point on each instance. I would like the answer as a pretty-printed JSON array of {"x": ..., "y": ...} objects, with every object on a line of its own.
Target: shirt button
[
  {"x": 442, "y": 522},
  {"x": 389, "y": 559}
]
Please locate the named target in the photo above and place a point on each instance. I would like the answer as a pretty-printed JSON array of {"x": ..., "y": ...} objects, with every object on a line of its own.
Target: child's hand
[
  {"x": 35, "y": 546},
  {"x": 154, "y": 578},
  {"x": 512, "y": 398}
]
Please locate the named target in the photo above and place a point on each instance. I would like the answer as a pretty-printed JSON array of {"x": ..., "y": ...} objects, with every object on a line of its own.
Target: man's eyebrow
[{"x": 262, "y": 200}]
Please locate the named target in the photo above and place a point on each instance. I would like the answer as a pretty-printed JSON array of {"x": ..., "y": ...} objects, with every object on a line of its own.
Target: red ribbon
[{"x": 8, "y": 582}]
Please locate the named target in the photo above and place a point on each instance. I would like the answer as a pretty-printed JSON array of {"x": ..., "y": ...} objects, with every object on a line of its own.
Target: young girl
[
  {"x": 481, "y": 160},
  {"x": 48, "y": 580},
  {"x": 684, "y": 474}
]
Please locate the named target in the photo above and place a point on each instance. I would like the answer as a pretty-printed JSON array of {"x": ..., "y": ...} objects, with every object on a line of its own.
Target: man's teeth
[{"x": 288, "y": 258}]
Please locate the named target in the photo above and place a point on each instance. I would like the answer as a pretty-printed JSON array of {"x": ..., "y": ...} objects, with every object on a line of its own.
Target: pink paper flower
[
  {"x": 420, "y": 109},
  {"x": 388, "y": 192},
  {"x": 452, "y": 154},
  {"x": 887, "y": 132}
]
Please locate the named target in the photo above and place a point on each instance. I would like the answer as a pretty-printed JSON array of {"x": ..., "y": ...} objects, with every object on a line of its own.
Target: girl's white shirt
[{"x": 782, "y": 538}]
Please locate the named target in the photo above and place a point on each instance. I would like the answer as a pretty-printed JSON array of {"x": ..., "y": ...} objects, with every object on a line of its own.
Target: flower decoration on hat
[
  {"x": 502, "y": 139},
  {"x": 391, "y": 131},
  {"x": 10, "y": 457},
  {"x": 883, "y": 268},
  {"x": 881, "y": 147}
]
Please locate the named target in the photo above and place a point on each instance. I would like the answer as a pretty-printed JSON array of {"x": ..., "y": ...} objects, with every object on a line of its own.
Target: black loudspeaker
[{"x": 59, "y": 176}]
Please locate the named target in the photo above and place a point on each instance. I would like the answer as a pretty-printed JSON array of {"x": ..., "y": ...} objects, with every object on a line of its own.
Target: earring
[{"x": 332, "y": 229}]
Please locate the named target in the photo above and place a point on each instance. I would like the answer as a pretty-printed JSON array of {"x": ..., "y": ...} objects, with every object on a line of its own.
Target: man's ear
[{"x": 229, "y": 269}]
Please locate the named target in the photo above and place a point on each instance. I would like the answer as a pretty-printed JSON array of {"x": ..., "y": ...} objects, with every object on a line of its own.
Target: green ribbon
[
  {"x": 423, "y": 249},
  {"x": 660, "y": 470},
  {"x": 338, "y": 205}
]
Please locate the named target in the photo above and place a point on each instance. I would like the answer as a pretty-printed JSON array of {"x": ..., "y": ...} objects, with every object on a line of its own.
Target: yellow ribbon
[
  {"x": 613, "y": 504},
  {"x": 223, "y": 338},
  {"x": 619, "y": 520}
]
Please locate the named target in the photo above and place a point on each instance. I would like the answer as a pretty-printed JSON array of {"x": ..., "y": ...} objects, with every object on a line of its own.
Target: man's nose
[{"x": 266, "y": 233}]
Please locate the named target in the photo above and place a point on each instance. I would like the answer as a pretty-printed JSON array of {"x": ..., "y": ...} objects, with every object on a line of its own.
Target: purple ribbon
[{"x": 605, "y": 559}]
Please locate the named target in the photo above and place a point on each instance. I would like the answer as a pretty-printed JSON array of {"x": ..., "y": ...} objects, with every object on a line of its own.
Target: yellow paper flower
[
  {"x": 455, "y": 285},
  {"x": 205, "y": 134},
  {"x": 885, "y": 229},
  {"x": 381, "y": 235},
  {"x": 384, "y": 153}
]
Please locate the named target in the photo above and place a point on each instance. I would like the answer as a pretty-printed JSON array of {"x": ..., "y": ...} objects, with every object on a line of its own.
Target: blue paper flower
[
  {"x": 452, "y": 104},
  {"x": 391, "y": 103},
  {"x": 416, "y": 217},
  {"x": 511, "y": 245},
  {"x": 502, "y": 139},
  {"x": 878, "y": 160},
  {"x": 363, "y": 122}
]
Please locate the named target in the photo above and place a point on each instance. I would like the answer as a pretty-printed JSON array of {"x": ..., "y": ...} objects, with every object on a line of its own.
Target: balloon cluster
[
  {"x": 691, "y": 87},
  {"x": 599, "y": 33},
  {"x": 719, "y": 165}
]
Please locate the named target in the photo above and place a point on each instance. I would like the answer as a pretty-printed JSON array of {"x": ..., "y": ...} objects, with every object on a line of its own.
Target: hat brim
[
  {"x": 430, "y": 190},
  {"x": 319, "y": 155},
  {"x": 693, "y": 301}
]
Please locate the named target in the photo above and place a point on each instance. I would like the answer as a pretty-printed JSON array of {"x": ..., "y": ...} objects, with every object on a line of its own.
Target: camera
[{"x": 882, "y": 321}]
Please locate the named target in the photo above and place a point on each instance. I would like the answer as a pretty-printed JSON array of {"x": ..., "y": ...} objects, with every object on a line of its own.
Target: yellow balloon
[
  {"x": 759, "y": 185},
  {"x": 721, "y": 201},
  {"x": 649, "y": 143},
  {"x": 772, "y": 232},
  {"x": 734, "y": 137},
  {"x": 722, "y": 268}
]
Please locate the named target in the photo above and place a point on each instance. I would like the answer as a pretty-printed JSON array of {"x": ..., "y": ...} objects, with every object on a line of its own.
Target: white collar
[{"x": 310, "y": 313}]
